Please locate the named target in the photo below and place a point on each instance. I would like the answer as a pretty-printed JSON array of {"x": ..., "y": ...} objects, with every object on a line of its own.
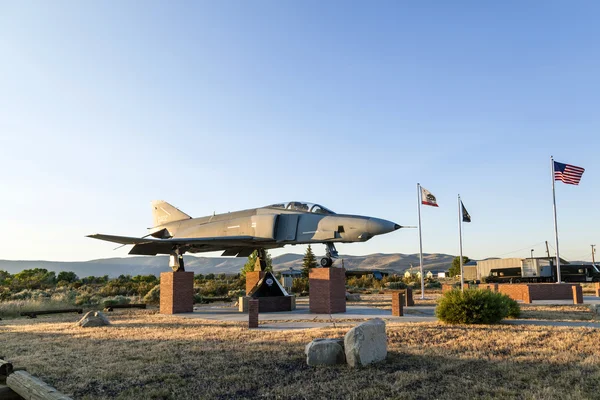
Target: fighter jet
[{"x": 240, "y": 233}]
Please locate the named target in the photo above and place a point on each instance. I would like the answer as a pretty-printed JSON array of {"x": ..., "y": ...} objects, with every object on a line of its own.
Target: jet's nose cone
[{"x": 378, "y": 226}]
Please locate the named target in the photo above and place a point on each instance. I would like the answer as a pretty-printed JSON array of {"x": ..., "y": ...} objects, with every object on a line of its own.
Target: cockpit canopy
[{"x": 303, "y": 206}]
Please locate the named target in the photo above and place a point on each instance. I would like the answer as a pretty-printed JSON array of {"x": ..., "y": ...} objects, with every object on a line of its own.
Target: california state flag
[{"x": 427, "y": 198}]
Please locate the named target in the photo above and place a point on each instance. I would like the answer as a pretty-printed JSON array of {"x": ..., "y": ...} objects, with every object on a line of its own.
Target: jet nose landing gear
[
  {"x": 331, "y": 253},
  {"x": 326, "y": 262},
  {"x": 176, "y": 261}
]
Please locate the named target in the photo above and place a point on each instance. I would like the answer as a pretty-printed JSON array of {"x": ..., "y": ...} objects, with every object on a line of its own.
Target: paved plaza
[{"x": 302, "y": 318}]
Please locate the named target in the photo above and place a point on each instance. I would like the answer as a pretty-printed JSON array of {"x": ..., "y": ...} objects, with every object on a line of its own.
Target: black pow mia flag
[{"x": 465, "y": 214}]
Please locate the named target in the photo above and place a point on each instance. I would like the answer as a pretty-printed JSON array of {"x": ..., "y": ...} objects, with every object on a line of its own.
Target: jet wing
[{"x": 152, "y": 247}]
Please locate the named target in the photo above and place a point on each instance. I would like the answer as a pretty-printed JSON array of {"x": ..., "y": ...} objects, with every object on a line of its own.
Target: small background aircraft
[{"x": 240, "y": 233}]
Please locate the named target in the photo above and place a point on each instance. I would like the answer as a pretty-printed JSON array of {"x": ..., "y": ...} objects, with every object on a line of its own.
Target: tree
[
  {"x": 455, "y": 268},
  {"x": 4, "y": 277},
  {"x": 249, "y": 266},
  {"x": 36, "y": 278},
  {"x": 309, "y": 261},
  {"x": 67, "y": 276}
]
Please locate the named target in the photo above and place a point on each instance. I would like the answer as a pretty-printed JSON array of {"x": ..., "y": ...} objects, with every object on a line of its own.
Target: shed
[{"x": 288, "y": 276}]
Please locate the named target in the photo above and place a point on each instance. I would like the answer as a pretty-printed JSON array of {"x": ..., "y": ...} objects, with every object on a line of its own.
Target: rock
[
  {"x": 325, "y": 352},
  {"x": 595, "y": 308},
  {"x": 93, "y": 319},
  {"x": 366, "y": 343},
  {"x": 352, "y": 296}
]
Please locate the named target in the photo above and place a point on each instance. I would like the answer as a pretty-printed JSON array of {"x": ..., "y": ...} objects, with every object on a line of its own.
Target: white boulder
[
  {"x": 325, "y": 352},
  {"x": 366, "y": 343},
  {"x": 93, "y": 319}
]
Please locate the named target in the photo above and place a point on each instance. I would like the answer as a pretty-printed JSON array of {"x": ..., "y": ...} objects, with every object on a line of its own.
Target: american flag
[{"x": 567, "y": 173}]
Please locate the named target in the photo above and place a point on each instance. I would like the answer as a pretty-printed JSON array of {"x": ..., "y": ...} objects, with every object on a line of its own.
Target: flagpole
[
  {"x": 462, "y": 272},
  {"x": 555, "y": 221},
  {"x": 420, "y": 242}
]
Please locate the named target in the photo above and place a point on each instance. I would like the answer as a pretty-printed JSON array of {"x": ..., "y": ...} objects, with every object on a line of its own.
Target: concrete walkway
[
  {"x": 586, "y": 300},
  {"x": 302, "y": 318}
]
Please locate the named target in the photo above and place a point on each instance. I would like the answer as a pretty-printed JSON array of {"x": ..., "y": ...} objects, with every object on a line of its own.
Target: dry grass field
[{"x": 144, "y": 355}]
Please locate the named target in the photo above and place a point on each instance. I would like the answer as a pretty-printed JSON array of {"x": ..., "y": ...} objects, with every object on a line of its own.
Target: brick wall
[
  {"x": 327, "y": 290},
  {"x": 447, "y": 287},
  {"x": 252, "y": 279},
  {"x": 176, "y": 292},
  {"x": 516, "y": 291},
  {"x": 551, "y": 291},
  {"x": 274, "y": 304},
  {"x": 527, "y": 292},
  {"x": 490, "y": 286},
  {"x": 397, "y": 303},
  {"x": 269, "y": 304}
]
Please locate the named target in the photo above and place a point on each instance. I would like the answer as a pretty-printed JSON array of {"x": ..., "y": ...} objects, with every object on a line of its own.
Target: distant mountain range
[{"x": 114, "y": 267}]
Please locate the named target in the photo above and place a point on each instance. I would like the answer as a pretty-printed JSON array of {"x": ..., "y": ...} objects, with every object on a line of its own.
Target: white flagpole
[
  {"x": 555, "y": 223},
  {"x": 420, "y": 243},
  {"x": 462, "y": 272}
]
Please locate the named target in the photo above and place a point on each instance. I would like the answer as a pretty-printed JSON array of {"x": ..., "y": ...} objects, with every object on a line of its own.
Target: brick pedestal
[
  {"x": 252, "y": 279},
  {"x": 252, "y": 313},
  {"x": 577, "y": 294},
  {"x": 327, "y": 290},
  {"x": 597, "y": 288},
  {"x": 176, "y": 292},
  {"x": 397, "y": 303},
  {"x": 408, "y": 297}
]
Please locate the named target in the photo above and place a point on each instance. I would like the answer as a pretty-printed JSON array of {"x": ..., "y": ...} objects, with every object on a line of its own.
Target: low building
[
  {"x": 376, "y": 274},
  {"x": 434, "y": 273},
  {"x": 529, "y": 266},
  {"x": 470, "y": 271},
  {"x": 288, "y": 276}
]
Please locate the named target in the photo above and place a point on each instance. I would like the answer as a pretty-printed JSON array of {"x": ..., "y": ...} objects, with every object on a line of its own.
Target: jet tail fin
[{"x": 163, "y": 213}]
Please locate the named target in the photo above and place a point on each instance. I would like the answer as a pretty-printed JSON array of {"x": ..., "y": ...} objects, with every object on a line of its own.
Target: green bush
[
  {"x": 475, "y": 306},
  {"x": 153, "y": 296},
  {"x": 213, "y": 288},
  {"x": 397, "y": 285},
  {"x": 116, "y": 300},
  {"x": 83, "y": 299},
  {"x": 300, "y": 285},
  {"x": 514, "y": 310},
  {"x": 433, "y": 285}
]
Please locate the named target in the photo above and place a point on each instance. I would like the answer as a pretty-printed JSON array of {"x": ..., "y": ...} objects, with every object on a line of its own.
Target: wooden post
[
  {"x": 252, "y": 313},
  {"x": 526, "y": 294},
  {"x": 408, "y": 298},
  {"x": 577, "y": 294},
  {"x": 30, "y": 387}
]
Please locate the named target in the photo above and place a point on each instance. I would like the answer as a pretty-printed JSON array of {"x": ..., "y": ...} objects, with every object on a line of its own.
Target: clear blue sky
[{"x": 226, "y": 105}]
